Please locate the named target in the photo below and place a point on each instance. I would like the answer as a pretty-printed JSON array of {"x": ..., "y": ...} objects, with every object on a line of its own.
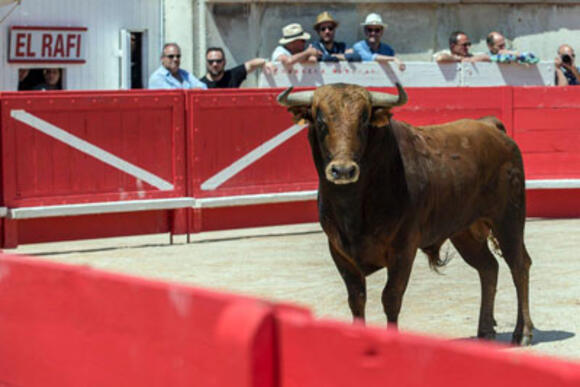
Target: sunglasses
[
  {"x": 173, "y": 56},
  {"x": 373, "y": 30},
  {"x": 212, "y": 61},
  {"x": 326, "y": 28},
  {"x": 468, "y": 44}
]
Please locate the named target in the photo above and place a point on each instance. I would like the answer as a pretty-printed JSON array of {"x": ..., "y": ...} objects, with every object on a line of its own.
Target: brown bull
[{"x": 387, "y": 188}]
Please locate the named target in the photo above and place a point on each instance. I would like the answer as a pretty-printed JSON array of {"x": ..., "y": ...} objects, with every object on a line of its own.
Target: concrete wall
[{"x": 417, "y": 29}]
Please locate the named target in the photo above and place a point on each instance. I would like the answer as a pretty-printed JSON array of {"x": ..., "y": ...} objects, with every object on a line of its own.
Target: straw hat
[
  {"x": 324, "y": 17},
  {"x": 374, "y": 19},
  {"x": 293, "y": 32}
]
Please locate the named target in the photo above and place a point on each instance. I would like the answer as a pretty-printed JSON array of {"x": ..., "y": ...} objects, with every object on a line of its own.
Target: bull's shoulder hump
[{"x": 462, "y": 127}]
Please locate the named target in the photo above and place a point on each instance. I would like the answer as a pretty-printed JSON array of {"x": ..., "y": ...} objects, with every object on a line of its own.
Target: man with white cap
[
  {"x": 292, "y": 47},
  {"x": 371, "y": 49}
]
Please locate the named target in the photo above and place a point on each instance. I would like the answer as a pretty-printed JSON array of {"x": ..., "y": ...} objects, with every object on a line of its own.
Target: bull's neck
[{"x": 378, "y": 192}]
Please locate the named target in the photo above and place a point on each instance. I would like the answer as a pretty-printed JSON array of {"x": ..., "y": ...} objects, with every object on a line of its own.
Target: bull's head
[{"x": 340, "y": 118}]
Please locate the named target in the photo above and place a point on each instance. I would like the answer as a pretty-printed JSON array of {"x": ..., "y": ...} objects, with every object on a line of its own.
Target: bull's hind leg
[
  {"x": 510, "y": 234},
  {"x": 355, "y": 283},
  {"x": 476, "y": 253}
]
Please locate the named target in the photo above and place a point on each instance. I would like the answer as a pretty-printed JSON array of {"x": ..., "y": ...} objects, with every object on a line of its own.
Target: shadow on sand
[
  {"x": 540, "y": 336},
  {"x": 148, "y": 245}
]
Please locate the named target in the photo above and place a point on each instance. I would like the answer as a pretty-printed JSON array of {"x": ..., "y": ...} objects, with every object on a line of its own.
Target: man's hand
[
  {"x": 313, "y": 52},
  {"x": 268, "y": 67},
  {"x": 399, "y": 63}
]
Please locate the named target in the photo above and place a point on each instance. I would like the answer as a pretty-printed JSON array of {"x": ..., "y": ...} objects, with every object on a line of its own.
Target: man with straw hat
[
  {"x": 332, "y": 51},
  {"x": 292, "y": 47},
  {"x": 371, "y": 49}
]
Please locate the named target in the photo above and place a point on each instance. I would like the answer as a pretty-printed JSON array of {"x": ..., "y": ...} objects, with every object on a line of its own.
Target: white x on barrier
[{"x": 90, "y": 149}]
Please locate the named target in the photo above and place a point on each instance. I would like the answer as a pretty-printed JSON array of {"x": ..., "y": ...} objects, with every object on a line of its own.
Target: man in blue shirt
[
  {"x": 332, "y": 51},
  {"x": 169, "y": 75},
  {"x": 371, "y": 49}
]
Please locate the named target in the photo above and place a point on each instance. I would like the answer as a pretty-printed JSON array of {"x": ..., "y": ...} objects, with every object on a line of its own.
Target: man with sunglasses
[
  {"x": 332, "y": 51},
  {"x": 459, "y": 45},
  {"x": 371, "y": 49},
  {"x": 169, "y": 75},
  {"x": 567, "y": 73},
  {"x": 218, "y": 77}
]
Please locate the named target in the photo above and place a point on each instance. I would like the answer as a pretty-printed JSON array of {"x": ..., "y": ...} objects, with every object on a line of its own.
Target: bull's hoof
[{"x": 523, "y": 340}]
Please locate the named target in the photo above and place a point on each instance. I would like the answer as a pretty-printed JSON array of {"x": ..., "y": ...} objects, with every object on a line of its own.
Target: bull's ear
[
  {"x": 380, "y": 117},
  {"x": 300, "y": 113}
]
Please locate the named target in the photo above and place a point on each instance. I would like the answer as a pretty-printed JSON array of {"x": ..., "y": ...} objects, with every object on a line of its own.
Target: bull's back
[
  {"x": 468, "y": 165},
  {"x": 483, "y": 140}
]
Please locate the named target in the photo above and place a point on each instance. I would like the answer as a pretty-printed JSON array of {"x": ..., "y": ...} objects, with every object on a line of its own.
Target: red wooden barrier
[
  {"x": 331, "y": 354},
  {"x": 234, "y": 156},
  {"x": 255, "y": 149},
  {"x": 91, "y": 147},
  {"x": 70, "y": 326},
  {"x": 546, "y": 129}
]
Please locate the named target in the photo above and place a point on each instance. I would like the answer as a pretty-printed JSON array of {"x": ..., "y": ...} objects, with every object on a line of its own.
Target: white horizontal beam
[
  {"x": 553, "y": 184},
  {"x": 99, "y": 208},
  {"x": 213, "y": 202},
  {"x": 245, "y": 200}
]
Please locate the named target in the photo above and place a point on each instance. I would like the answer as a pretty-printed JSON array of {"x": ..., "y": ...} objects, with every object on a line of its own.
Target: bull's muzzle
[{"x": 342, "y": 172}]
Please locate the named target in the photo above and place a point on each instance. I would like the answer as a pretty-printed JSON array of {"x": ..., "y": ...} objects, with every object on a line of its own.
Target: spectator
[
  {"x": 371, "y": 49},
  {"x": 459, "y": 50},
  {"x": 292, "y": 47},
  {"x": 332, "y": 51},
  {"x": 216, "y": 77},
  {"x": 169, "y": 75},
  {"x": 499, "y": 53},
  {"x": 566, "y": 71},
  {"x": 496, "y": 44},
  {"x": 51, "y": 81},
  {"x": 24, "y": 80}
]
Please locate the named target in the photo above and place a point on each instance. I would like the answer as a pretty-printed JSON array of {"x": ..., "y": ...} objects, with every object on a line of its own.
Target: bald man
[
  {"x": 567, "y": 74},
  {"x": 497, "y": 45}
]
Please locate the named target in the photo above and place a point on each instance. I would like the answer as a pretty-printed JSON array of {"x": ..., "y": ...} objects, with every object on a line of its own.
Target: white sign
[
  {"x": 417, "y": 74},
  {"x": 47, "y": 44}
]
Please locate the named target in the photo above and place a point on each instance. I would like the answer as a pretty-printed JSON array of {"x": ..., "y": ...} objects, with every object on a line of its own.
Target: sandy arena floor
[{"x": 292, "y": 264}]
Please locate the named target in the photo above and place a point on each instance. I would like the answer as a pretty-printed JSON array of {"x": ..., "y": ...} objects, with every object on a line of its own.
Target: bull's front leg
[
  {"x": 354, "y": 280},
  {"x": 399, "y": 268}
]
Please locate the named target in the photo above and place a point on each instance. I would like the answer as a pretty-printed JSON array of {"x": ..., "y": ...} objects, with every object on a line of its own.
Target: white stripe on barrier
[
  {"x": 88, "y": 148},
  {"x": 553, "y": 184},
  {"x": 225, "y": 174},
  {"x": 99, "y": 208}
]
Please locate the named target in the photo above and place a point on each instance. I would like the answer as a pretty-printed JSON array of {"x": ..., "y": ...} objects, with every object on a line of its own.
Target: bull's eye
[
  {"x": 321, "y": 127},
  {"x": 364, "y": 117}
]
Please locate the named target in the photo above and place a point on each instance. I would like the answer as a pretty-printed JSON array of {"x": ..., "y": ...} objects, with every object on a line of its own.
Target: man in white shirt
[
  {"x": 459, "y": 45},
  {"x": 292, "y": 47}
]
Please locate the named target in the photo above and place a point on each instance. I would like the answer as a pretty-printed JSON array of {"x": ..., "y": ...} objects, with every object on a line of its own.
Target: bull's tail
[
  {"x": 435, "y": 260},
  {"x": 492, "y": 120}
]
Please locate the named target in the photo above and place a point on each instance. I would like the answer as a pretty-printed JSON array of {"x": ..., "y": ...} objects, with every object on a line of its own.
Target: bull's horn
[
  {"x": 302, "y": 98},
  {"x": 389, "y": 100}
]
